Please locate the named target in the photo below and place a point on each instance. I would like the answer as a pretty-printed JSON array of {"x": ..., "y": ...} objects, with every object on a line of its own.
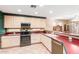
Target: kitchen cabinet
[
  {"x": 38, "y": 23},
  {"x": 10, "y": 41},
  {"x": 8, "y": 21},
  {"x": 35, "y": 38},
  {"x": 42, "y": 23},
  {"x": 15, "y": 22},
  {"x": 57, "y": 47},
  {"x": 47, "y": 42},
  {"x": 35, "y": 23},
  {"x": 18, "y": 20},
  {"x": 2, "y": 30}
]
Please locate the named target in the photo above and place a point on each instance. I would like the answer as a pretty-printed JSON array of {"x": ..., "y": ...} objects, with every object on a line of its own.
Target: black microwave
[{"x": 25, "y": 24}]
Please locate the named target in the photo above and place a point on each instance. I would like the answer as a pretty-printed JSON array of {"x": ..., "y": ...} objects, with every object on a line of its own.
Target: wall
[
  {"x": 51, "y": 23},
  {"x": 54, "y": 22},
  {"x": 74, "y": 27}
]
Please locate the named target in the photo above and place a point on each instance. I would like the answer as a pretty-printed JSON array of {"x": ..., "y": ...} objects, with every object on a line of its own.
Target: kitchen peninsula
[{"x": 69, "y": 47}]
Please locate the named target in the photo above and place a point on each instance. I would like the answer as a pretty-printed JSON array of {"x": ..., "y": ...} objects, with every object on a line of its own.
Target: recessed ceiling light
[
  {"x": 19, "y": 10},
  {"x": 41, "y": 5},
  {"x": 50, "y": 11},
  {"x": 36, "y": 12}
]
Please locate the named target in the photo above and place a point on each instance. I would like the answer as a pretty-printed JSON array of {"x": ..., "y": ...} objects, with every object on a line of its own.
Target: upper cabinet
[
  {"x": 15, "y": 22},
  {"x": 35, "y": 23},
  {"x": 43, "y": 23},
  {"x": 2, "y": 30},
  {"x": 18, "y": 20},
  {"x": 8, "y": 22}
]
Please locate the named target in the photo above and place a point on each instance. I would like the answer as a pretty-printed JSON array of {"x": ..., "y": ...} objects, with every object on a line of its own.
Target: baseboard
[{"x": 10, "y": 47}]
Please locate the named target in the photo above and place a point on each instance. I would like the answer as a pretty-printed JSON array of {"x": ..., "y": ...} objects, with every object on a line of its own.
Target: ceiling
[{"x": 50, "y": 11}]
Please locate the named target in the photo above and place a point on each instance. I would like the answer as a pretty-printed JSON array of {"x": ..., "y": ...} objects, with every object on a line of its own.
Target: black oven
[{"x": 25, "y": 35}]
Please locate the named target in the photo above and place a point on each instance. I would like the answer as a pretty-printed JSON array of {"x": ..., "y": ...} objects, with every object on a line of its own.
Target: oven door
[{"x": 25, "y": 40}]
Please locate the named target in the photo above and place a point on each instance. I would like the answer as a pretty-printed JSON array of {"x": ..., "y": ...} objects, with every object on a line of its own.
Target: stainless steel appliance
[{"x": 25, "y": 35}]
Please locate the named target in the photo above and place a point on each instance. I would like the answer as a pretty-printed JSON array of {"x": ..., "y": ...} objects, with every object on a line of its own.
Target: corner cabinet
[{"x": 2, "y": 30}]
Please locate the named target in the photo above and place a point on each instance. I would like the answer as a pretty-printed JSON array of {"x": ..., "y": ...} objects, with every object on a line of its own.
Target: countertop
[
  {"x": 71, "y": 47},
  {"x": 68, "y": 34}
]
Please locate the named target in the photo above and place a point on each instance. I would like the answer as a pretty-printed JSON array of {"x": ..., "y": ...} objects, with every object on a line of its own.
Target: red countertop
[
  {"x": 71, "y": 47},
  {"x": 18, "y": 33}
]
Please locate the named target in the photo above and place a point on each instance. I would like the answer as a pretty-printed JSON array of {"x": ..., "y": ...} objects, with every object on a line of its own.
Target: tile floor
[{"x": 32, "y": 49}]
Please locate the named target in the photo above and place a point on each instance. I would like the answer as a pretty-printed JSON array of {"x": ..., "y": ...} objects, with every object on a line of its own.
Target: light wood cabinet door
[
  {"x": 47, "y": 42},
  {"x": 10, "y": 41},
  {"x": 35, "y": 38},
  {"x": 57, "y": 47},
  {"x": 17, "y": 21},
  {"x": 42, "y": 23},
  {"x": 35, "y": 23},
  {"x": 8, "y": 21}
]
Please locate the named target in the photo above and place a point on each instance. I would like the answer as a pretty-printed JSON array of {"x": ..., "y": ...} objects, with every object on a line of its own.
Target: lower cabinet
[
  {"x": 47, "y": 42},
  {"x": 54, "y": 46},
  {"x": 10, "y": 41},
  {"x": 57, "y": 47},
  {"x": 35, "y": 38}
]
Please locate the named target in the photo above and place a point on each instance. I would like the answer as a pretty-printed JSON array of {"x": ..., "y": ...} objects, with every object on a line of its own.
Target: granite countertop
[{"x": 71, "y": 47}]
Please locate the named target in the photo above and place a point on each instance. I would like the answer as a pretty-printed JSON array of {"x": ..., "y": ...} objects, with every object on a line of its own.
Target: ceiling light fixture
[
  {"x": 50, "y": 11},
  {"x": 36, "y": 12},
  {"x": 19, "y": 10}
]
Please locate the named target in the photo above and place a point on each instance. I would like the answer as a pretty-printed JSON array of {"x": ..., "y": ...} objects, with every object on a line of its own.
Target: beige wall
[
  {"x": 52, "y": 22},
  {"x": 74, "y": 27}
]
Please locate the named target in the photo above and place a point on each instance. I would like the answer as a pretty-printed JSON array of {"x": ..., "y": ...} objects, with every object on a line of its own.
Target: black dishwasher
[{"x": 25, "y": 35}]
